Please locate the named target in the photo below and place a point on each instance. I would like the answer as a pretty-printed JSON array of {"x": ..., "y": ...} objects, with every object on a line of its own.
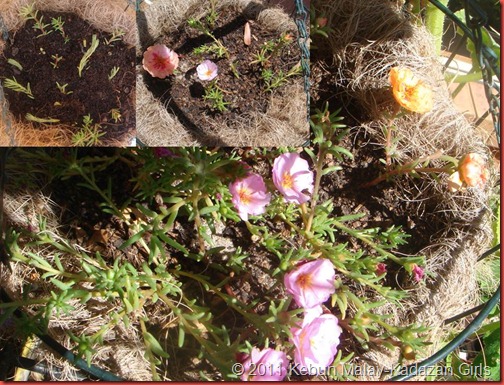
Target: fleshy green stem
[{"x": 434, "y": 21}]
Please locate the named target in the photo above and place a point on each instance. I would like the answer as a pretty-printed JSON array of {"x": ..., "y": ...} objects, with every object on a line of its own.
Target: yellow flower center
[
  {"x": 304, "y": 280},
  {"x": 208, "y": 72},
  {"x": 287, "y": 180},
  {"x": 244, "y": 195}
]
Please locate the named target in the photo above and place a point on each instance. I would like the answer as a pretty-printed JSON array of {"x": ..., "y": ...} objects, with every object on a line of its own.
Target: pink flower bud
[
  {"x": 160, "y": 61},
  {"x": 293, "y": 178},
  {"x": 472, "y": 170},
  {"x": 249, "y": 196},
  {"x": 381, "y": 268},
  {"x": 418, "y": 273},
  {"x": 265, "y": 365},
  {"x": 312, "y": 283},
  {"x": 316, "y": 344},
  {"x": 321, "y": 22},
  {"x": 207, "y": 70}
]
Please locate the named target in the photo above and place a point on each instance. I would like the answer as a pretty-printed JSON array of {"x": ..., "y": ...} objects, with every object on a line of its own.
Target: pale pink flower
[
  {"x": 311, "y": 283},
  {"x": 249, "y": 195},
  {"x": 207, "y": 70},
  {"x": 265, "y": 365},
  {"x": 160, "y": 61},
  {"x": 316, "y": 343},
  {"x": 472, "y": 170},
  {"x": 293, "y": 178},
  {"x": 418, "y": 273}
]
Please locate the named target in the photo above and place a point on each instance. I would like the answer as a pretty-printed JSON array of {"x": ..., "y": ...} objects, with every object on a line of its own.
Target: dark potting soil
[
  {"x": 92, "y": 94},
  {"x": 184, "y": 93}
]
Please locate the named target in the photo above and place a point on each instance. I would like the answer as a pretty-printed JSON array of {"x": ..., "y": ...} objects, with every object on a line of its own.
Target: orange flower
[
  {"x": 409, "y": 91},
  {"x": 472, "y": 170}
]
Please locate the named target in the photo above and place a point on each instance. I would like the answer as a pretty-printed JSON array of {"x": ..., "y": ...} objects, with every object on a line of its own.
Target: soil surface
[
  {"x": 240, "y": 80},
  {"x": 52, "y": 58}
]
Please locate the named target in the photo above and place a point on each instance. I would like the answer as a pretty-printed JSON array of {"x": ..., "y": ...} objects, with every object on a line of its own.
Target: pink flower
[
  {"x": 293, "y": 178},
  {"x": 160, "y": 61},
  {"x": 312, "y": 283},
  {"x": 265, "y": 365},
  {"x": 207, "y": 70},
  {"x": 381, "y": 268},
  {"x": 316, "y": 344},
  {"x": 249, "y": 195},
  {"x": 418, "y": 273},
  {"x": 472, "y": 170}
]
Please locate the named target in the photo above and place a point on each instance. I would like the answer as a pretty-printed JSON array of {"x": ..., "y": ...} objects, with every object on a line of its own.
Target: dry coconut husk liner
[
  {"x": 284, "y": 122},
  {"x": 107, "y": 16},
  {"x": 369, "y": 38}
]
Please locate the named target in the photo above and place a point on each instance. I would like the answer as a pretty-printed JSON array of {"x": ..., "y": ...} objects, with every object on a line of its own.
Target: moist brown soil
[
  {"x": 92, "y": 94},
  {"x": 184, "y": 92}
]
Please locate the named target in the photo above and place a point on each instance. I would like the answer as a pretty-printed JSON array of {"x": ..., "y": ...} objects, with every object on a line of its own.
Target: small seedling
[
  {"x": 89, "y": 134},
  {"x": 30, "y": 13},
  {"x": 212, "y": 15},
  {"x": 218, "y": 48},
  {"x": 270, "y": 49},
  {"x": 87, "y": 55},
  {"x": 62, "y": 89},
  {"x": 57, "y": 25},
  {"x": 214, "y": 95},
  {"x": 274, "y": 80},
  {"x": 57, "y": 58},
  {"x": 113, "y": 72},
  {"x": 115, "y": 113},
  {"x": 32, "y": 118},
  {"x": 116, "y": 36},
  {"x": 15, "y": 86},
  {"x": 15, "y": 64}
]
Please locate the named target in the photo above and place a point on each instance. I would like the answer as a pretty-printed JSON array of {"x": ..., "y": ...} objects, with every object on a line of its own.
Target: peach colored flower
[
  {"x": 454, "y": 182},
  {"x": 265, "y": 365},
  {"x": 472, "y": 170},
  {"x": 293, "y": 178},
  {"x": 249, "y": 196},
  {"x": 311, "y": 283},
  {"x": 160, "y": 61},
  {"x": 409, "y": 91},
  {"x": 207, "y": 70},
  {"x": 316, "y": 344}
]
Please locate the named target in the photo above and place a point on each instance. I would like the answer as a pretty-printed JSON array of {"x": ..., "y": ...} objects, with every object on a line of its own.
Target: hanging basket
[{"x": 165, "y": 119}]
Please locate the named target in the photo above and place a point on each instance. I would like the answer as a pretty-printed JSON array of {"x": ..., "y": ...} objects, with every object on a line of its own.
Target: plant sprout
[
  {"x": 62, "y": 89},
  {"x": 30, "y": 13},
  {"x": 15, "y": 64},
  {"x": 116, "y": 36},
  {"x": 33, "y": 118},
  {"x": 15, "y": 86},
  {"x": 89, "y": 134},
  {"x": 87, "y": 55},
  {"x": 113, "y": 72}
]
